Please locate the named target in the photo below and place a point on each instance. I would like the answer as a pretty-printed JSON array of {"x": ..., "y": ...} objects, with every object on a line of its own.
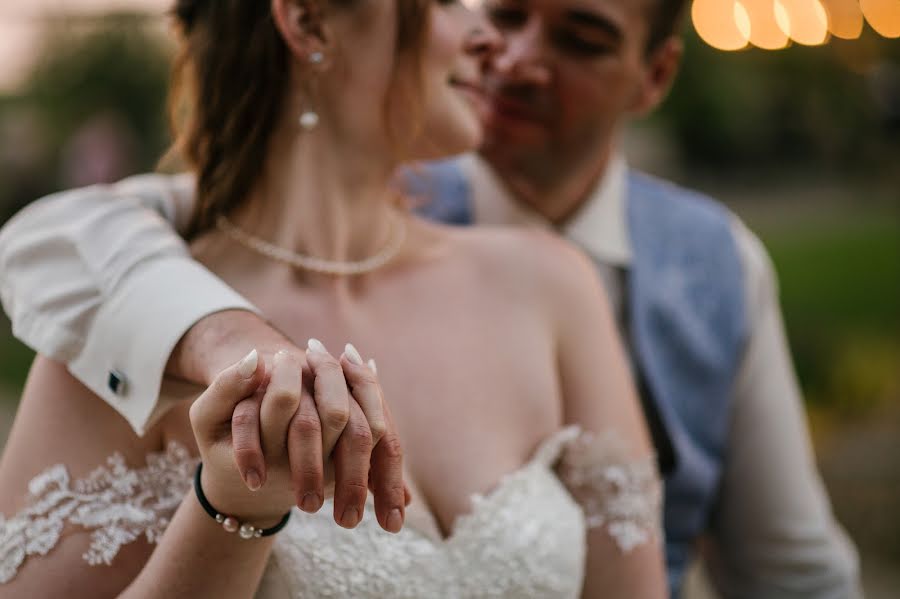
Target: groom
[{"x": 694, "y": 292}]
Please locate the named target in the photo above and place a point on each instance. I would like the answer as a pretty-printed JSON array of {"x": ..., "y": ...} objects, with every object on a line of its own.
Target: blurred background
[{"x": 787, "y": 110}]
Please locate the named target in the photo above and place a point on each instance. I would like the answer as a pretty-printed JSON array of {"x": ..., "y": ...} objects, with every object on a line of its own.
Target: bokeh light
[
  {"x": 883, "y": 16},
  {"x": 723, "y": 24},
  {"x": 764, "y": 28},
  {"x": 806, "y": 21},
  {"x": 773, "y": 24},
  {"x": 742, "y": 19},
  {"x": 845, "y": 18}
]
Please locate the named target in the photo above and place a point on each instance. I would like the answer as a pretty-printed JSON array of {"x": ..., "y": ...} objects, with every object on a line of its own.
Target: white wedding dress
[{"x": 526, "y": 538}]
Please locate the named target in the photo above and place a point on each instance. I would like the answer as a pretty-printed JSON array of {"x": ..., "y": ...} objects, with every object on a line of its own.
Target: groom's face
[{"x": 570, "y": 72}]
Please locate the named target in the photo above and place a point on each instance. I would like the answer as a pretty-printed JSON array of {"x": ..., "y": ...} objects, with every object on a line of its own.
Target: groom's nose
[{"x": 523, "y": 57}]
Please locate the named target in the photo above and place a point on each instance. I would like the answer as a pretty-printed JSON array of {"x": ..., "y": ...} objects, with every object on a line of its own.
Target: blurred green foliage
[
  {"x": 834, "y": 106},
  {"x": 117, "y": 65},
  {"x": 840, "y": 290},
  {"x": 15, "y": 361}
]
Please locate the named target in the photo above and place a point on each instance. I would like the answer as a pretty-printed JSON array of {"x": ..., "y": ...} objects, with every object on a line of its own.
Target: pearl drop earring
[{"x": 309, "y": 120}]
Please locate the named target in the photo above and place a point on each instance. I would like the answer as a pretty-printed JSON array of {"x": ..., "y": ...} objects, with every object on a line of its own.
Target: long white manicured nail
[
  {"x": 316, "y": 346},
  {"x": 353, "y": 355},
  {"x": 248, "y": 365},
  {"x": 373, "y": 366}
]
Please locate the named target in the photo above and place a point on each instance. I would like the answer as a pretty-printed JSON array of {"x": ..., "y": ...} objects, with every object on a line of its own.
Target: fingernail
[
  {"x": 310, "y": 503},
  {"x": 316, "y": 346},
  {"x": 353, "y": 355},
  {"x": 350, "y": 517},
  {"x": 373, "y": 366},
  {"x": 248, "y": 365},
  {"x": 253, "y": 480},
  {"x": 394, "y": 521}
]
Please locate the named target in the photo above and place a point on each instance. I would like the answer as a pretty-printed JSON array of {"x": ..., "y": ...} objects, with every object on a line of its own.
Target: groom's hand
[{"x": 219, "y": 340}]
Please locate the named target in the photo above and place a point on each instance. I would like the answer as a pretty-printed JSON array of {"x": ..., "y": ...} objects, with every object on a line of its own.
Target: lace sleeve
[
  {"x": 621, "y": 494},
  {"x": 116, "y": 504}
]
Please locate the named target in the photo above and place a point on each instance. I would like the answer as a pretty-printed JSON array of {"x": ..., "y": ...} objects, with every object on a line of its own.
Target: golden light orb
[
  {"x": 845, "y": 18},
  {"x": 883, "y": 16},
  {"x": 765, "y": 32},
  {"x": 805, "y": 21},
  {"x": 723, "y": 24},
  {"x": 742, "y": 19}
]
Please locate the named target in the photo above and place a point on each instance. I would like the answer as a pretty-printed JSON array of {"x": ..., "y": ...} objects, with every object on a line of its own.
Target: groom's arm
[
  {"x": 773, "y": 532},
  {"x": 99, "y": 279}
]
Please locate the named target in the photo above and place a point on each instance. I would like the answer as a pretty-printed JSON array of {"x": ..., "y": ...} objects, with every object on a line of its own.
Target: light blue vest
[{"x": 687, "y": 324}]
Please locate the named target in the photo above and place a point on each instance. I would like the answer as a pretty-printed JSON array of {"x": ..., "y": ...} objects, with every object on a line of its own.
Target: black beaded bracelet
[{"x": 230, "y": 523}]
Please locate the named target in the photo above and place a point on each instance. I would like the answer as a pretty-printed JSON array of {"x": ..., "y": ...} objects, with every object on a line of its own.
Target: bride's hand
[
  {"x": 211, "y": 419},
  {"x": 293, "y": 428}
]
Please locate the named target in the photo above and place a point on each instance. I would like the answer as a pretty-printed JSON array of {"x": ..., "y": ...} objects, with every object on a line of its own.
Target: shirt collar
[{"x": 599, "y": 227}]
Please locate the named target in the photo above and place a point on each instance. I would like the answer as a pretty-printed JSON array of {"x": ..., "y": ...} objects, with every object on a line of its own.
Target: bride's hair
[{"x": 229, "y": 84}]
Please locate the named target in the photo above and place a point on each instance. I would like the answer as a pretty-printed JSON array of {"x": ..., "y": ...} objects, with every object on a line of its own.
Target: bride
[{"x": 524, "y": 451}]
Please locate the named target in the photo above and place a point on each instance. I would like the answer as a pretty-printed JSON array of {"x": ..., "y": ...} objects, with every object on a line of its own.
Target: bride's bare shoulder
[{"x": 539, "y": 261}]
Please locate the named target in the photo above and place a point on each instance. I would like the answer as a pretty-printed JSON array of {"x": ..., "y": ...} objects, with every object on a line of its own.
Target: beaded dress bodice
[{"x": 526, "y": 538}]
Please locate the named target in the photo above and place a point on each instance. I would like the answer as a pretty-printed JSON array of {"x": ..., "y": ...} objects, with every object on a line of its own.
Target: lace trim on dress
[
  {"x": 615, "y": 491},
  {"x": 115, "y": 503}
]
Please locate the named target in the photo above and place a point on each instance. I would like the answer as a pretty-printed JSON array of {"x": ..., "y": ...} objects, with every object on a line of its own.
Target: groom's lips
[{"x": 511, "y": 109}]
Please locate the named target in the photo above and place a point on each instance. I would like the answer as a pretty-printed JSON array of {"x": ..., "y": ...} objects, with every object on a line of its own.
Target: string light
[
  {"x": 806, "y": 19},
  {"x": 765, "y": 31},
  {"x": 723, "y": 24},
  {"x": 845, "y": 18},
  {"x": 883, "y": 16},
  {"x": 773, "y": 24}
]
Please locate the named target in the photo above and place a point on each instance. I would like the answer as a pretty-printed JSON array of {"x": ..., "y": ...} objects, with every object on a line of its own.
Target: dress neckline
[{"x": 541, "y": 460}]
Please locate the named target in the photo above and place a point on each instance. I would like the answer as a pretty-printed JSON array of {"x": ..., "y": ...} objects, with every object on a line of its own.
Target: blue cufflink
[{"x": 116, "y": 382}]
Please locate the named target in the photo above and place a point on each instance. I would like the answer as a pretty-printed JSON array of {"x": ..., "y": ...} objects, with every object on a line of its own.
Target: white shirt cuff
[{"x": 158, "y": 304}]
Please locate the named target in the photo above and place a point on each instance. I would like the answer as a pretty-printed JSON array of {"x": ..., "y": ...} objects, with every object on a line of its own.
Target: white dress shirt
[{"x": 79, "y": 268}]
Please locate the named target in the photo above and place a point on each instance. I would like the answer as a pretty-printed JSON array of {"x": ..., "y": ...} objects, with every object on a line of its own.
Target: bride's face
[
  {"x": 453, "y": 103},
  {"x": 425, "y": 102}
]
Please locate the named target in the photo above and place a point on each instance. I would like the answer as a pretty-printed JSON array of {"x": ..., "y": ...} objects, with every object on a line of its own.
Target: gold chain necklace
[{"x": 311, "y": 263}]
